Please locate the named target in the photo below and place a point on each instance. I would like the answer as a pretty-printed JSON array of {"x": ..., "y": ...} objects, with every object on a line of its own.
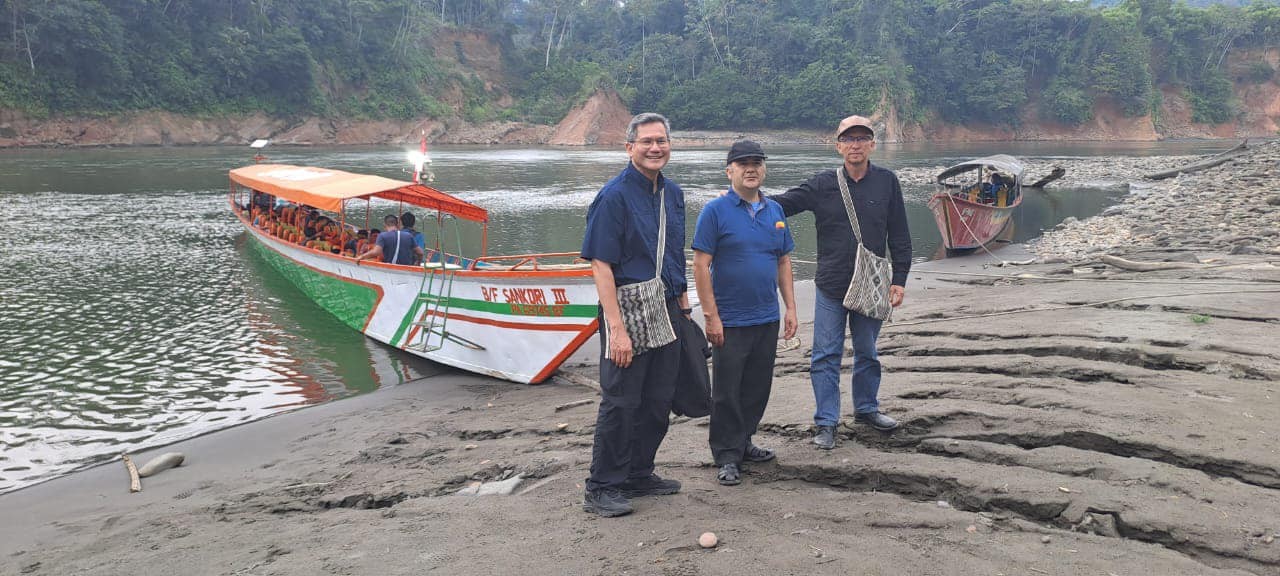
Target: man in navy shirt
[
  {"x": 394, "y": 246},
  {"x": 741, "y": 259},
  {"x": 882, "y": 217},
  {"x": 621, "y": 242}
]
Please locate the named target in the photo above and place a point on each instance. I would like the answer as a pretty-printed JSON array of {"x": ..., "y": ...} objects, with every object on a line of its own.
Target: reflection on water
[{"x": 133, "y": 312}]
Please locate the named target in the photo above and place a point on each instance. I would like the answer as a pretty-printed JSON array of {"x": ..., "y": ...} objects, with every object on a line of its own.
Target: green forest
[{"x": 705, "y": 63}]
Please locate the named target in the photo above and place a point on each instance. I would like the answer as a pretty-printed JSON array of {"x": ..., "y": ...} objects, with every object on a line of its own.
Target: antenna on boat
[
  {"x": 420, "y": 160},
  {"x": 258, "y": 145}
]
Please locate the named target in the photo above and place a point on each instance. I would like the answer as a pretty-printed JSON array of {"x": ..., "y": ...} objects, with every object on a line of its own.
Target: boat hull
[
  {"x": 967, "y": 225},
  {"x": 517, "y": 325}
]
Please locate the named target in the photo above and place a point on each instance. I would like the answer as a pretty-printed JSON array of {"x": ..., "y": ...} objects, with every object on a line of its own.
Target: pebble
[
  {"x": 1193, "y": 211},
  {"x": 161, "y": 463},
  {"x": 708, "y": 540},
  {"x": 1045, "y": 539}
]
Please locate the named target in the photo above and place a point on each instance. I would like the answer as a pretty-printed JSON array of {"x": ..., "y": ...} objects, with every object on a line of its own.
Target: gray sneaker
[
  {"x": 876, "y": 420},
  {"x": 826, "y": 437},
  {"x": 607, "y": 502}
]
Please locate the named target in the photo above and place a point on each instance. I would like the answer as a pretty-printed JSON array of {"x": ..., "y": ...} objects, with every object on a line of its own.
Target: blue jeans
[{"x": 829, "y": 319}]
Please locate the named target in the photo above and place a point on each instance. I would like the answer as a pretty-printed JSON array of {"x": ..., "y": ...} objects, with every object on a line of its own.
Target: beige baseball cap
[{"x": 852, "y": 122}]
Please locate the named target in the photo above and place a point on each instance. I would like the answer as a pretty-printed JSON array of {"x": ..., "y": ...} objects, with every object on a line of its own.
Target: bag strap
[
  {"x": 848, "y": 204},
  {"x": 662, "y": 226},
  {"x": 395, "y": 258}
]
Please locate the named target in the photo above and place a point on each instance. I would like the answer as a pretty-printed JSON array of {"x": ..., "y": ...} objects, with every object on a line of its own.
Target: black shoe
[
  {"x": 654, "y": 485},
  {"x": 607, "y": 502},
  {"x": 826, "y": 437},
  {"x": 755, "y": 453},
  {"x": 729, "y": 475},
  {"x": 876, "y": 420}
]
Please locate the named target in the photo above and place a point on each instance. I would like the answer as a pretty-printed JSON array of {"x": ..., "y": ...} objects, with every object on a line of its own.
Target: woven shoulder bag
[
  {"x": 644, "y": 304},
  {"x": 868, "y": 292}
]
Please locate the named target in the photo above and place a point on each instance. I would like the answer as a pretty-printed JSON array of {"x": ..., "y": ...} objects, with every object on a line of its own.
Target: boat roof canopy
[
  {"x": 327, "y": 189},
  {"x": 1001, "y": 162}
]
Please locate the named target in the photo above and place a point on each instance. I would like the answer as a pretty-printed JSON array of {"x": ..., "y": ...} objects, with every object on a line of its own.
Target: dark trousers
[
  {"x": 741, "y": 380},
  {"x": 635, "y": 406}
]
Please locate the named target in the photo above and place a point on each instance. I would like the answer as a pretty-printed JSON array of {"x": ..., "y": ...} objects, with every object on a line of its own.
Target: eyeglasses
[
  {"x": 648, "y": 142},
  {"x": 858, "y": 139}
]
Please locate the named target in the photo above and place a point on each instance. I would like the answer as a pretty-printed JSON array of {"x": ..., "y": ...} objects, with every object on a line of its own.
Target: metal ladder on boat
[{"x": 432, "y": 304}]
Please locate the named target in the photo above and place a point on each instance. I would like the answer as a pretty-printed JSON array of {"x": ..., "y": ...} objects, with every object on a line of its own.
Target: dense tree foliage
[{"x": 706, "y": 63}]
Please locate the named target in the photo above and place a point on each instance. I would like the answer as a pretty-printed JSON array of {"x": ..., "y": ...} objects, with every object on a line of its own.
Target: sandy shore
[{"x": 1133, "y": 436}]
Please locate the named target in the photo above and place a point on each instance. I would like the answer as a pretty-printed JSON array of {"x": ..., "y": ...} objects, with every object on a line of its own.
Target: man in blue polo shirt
[
  {"x": 393, "y": 246},
  {"x": 741, "y": 260},
  {"x": 621, "y": 241}
]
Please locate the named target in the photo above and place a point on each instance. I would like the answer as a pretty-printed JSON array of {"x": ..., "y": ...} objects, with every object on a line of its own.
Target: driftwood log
[
  {"x": 1135, "y": 266},
  {"x": 574, "y": 404},
  {"x": 135, "y": 483},
  {"x": 1201, "y": 165},
  {"x": 1057, "y": 173}
]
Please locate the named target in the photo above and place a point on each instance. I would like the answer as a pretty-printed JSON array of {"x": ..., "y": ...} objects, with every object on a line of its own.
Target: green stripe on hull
[
  {"x": 349, "y": 302},
  {"x": 513, "y": 314},
  {"x": 513, "y": 310}
]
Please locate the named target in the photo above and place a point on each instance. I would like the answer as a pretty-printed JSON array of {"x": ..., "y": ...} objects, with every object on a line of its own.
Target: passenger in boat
[
  {"x": 989, "y": 189},
  {"x": 316, "y": 228},
  {"x": 262, "y": 201},
  {"x": 741, "y": 260},
  {"x": 882, "y": 218},
  {"x": 354, "y": 244},
  {"x": 621, "y": 241},
  {"x": 394, "y": 246},
  {"x": 408, "y": 220}
]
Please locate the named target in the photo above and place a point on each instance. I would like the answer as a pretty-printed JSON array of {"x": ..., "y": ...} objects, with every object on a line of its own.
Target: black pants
[
  {"x": 741, "y": 380},
  {"x": 635, "y": 406}
]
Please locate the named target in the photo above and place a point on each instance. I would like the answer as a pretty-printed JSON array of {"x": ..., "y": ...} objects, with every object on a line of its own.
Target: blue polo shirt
[
  {"x": 389, "y": 241},
  {"x": 622, "y": 229},
  {"x": 744, "y": 249}
]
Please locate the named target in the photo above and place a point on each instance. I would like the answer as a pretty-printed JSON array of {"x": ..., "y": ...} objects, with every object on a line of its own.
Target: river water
[{"x": 132, "y": 312}]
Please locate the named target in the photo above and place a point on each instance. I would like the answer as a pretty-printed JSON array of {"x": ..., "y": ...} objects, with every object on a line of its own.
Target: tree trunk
[
  {"x": 1203, "y": 164},
  {"x": 551, "y": 35}
]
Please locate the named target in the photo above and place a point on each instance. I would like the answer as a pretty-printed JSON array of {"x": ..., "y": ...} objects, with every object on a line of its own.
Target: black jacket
[
  {"x": 693, "y": 383},
  {"x": 882, "y": 216}
]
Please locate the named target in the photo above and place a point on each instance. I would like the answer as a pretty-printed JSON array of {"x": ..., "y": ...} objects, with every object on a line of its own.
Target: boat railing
[{"x": 527, "y": 261}]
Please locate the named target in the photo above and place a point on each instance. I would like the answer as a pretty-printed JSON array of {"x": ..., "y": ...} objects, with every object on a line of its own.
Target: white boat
[{"x": 512, "y": 317}]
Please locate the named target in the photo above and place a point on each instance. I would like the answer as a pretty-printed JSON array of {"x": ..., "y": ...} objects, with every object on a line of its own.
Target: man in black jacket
[{"x": 882, "y": 217}]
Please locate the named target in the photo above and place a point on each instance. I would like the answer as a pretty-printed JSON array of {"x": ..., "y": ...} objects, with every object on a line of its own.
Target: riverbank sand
[{"x": 1113, "y": 422}]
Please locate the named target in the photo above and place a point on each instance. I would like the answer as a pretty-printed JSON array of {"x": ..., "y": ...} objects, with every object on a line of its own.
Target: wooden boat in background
[
  {"x": 512, "y": 317},
  {"x": 970, "y": 209}
]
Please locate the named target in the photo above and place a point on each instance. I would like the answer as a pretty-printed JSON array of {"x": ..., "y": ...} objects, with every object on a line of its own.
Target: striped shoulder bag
[
  {"x": 644, "y": 304},
  {"x": 868, "y": 292}
]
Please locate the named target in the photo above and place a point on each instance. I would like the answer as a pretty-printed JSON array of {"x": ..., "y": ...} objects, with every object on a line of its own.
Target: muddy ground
[{"x": 1133, "y": 437}]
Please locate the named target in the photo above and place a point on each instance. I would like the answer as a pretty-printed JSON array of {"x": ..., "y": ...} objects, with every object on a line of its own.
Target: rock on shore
[{"x": 1231, "y": 208}]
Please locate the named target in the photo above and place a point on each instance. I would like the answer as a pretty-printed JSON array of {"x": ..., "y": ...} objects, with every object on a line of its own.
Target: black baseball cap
[{"x": 743, "y": 149}]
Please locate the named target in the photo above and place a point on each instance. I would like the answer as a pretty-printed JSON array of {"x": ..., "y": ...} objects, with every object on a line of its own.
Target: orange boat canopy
[{"x": 327, "y": 189}]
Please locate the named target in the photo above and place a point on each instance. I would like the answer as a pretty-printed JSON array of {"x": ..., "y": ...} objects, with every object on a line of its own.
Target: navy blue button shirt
[
  {"x": 744, "y": 249},
  {"x": 622, "y": 229},
  {"x": 882, "y": 216}
]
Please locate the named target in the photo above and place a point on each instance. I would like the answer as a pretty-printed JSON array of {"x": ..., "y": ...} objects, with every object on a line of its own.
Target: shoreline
[
  {"x": 1061, "y": 417},
  {"x": 365, "y": 485}
]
